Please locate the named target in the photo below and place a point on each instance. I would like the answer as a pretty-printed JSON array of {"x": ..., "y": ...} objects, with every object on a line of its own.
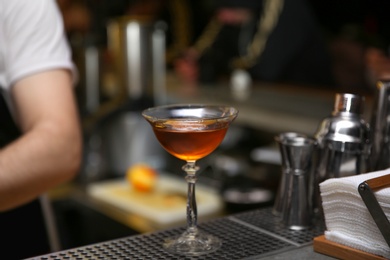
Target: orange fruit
[{"x": 142, "y": 177}]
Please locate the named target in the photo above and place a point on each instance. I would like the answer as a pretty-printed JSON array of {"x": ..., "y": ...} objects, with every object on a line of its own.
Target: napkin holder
[{"x": 366, "y": 190}]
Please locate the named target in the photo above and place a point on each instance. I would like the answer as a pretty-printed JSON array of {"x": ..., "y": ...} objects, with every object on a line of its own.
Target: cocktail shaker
[
  {"x": 343, "y": 142},
  {"x": 343, "y": 139},
  {"x": 380, "y": 127}
]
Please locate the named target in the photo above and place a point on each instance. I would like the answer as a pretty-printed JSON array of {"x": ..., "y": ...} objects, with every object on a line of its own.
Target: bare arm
[{"x": 49, "y": 151}]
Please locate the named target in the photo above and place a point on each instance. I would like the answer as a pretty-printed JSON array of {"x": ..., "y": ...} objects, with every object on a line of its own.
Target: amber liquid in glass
[{"x": 187, "y": 142}]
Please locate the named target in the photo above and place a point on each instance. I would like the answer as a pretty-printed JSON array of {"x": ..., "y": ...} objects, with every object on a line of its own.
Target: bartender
[
  {"x": 272, "y": 40},
  {"x": 39, "y": 127}
]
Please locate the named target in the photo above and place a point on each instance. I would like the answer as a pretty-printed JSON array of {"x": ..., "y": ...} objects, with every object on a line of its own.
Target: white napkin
[{"x": 348, "y": 221}]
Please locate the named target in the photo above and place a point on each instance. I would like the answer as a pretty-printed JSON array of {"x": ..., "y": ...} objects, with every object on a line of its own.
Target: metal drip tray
[
  {"x": 245, "y": 236},
  {"x": 265, "y": 221}
]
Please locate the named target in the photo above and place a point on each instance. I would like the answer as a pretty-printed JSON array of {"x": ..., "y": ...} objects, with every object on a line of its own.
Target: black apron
[{"x": 22, "y": 230}]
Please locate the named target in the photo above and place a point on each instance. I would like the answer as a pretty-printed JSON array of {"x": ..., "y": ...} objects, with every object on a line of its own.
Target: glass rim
[{"x": 233, "y": 110}]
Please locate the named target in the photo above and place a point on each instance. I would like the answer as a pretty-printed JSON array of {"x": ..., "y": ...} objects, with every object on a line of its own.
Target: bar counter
[{"x": 254, "y": 234}]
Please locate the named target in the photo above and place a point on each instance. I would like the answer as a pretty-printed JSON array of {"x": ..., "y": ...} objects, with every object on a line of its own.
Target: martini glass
[{"x": 190, "y": 132}]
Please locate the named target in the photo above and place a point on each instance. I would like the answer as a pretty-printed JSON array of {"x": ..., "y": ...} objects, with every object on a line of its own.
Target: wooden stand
[
  {"x": 326, "y": 247},
  {"x": 366, "y": 190}
]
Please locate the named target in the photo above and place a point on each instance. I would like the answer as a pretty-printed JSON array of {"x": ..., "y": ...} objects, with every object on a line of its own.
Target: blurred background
[{"x": 279, "y": 62}]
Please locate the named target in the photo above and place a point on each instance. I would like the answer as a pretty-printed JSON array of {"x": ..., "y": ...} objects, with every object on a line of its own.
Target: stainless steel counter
[
  {"x": 271, "y": 107},
  {"x": 249, "y": 235}
]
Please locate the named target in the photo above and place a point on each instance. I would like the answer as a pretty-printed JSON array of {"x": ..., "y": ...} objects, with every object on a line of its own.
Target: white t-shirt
[{"x": 32, "y": 40}]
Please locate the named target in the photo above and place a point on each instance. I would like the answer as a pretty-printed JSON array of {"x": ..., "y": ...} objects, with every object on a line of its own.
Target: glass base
[{"x": 192, "y": 243}]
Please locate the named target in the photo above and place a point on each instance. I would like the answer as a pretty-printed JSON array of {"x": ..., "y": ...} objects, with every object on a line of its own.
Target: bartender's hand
[
  {"x": 377, "y": 65},
  {"x": 234, "y": 16},
  {"x": 49, "y": 151},
  {"x": 186, "y": 67}
]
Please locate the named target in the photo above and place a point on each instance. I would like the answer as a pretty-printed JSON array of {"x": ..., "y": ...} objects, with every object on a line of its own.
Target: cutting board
[{"x": 164, "y": 206}]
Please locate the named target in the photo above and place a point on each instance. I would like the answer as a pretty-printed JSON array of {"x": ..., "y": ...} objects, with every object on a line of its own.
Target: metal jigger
[
  {"x": 292, "y": 203},
  {"x": 297, "y": 151},
  {"x": 281, "y": 140}
]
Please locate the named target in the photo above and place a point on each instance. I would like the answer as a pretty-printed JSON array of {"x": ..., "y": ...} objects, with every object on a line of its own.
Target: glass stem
[{"x": 192, "y": 215}]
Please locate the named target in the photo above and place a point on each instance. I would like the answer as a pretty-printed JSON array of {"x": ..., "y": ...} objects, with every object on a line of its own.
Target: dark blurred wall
[{"x": 352, "y": 27}]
